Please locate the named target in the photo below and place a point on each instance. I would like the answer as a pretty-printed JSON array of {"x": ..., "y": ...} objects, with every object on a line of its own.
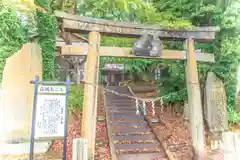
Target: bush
[
  {"x": 75, "y": 98},
  {"x": 12, "y": 35}
]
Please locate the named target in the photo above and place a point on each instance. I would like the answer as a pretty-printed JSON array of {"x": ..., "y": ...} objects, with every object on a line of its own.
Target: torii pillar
[
  {"x": 90, "y": 90},
  {"x": 194, "y": 100}
]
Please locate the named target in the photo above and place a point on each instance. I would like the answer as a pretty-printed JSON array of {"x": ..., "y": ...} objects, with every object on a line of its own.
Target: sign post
[
  {"x": 50, "y": 112},
  {"x": 113, "y": 70},
  {"x": 114, "y": 66}
]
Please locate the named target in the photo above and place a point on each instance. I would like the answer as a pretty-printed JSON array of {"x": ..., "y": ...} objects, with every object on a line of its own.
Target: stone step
[
  {"x": 138, "y": 148},
  {"x": 125, "y": 118},
  {"x": 123, "y": 97},
  {"x": 143, "y": 156},
  {"x": 129, "y": 124},
  {"x": 111, "y": 105},
  {"x": 122, "y": 102},
  {"x": 122, "y": 107},
  {"x": 120, "y": 99},
  {"x": 123, "y": 113},
  {"x": 134, "y": 138},
  {"x": 117, "y": 87},
  {"x": 118, "y": 93},
  {"x": 131, "y": 131},
  {"x": 123, "y": 110}
]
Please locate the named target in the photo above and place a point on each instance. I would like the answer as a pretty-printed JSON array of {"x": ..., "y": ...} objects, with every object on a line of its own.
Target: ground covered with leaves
[
  {"x": 74, "y": 131},
  {"x": 102, "y": 151},
  {"x": 174, "y": 133}
]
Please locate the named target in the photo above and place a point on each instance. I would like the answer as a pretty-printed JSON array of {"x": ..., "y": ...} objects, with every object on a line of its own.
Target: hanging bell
[
  {"x": 156, "y": 49},
  {"x": 142, "y": 46}
]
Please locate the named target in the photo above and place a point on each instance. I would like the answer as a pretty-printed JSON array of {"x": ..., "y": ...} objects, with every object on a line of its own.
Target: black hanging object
[
  {"x": 148, "y": 46},
  {"x": 142, "y": 46},
  {"x": 156, "y": 49}
]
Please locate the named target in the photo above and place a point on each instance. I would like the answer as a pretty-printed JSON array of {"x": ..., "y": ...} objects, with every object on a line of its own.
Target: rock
[
  {"x": 178, "y": 114},
  {"x": 154, "y": 119},
  {"x": 101, "y": 118},
  {"x": 102, "y": 150},
  {"x": 99, "y": 142}
]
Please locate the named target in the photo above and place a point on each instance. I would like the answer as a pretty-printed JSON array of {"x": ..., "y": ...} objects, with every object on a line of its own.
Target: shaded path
[{"x": 131, "y": 136}]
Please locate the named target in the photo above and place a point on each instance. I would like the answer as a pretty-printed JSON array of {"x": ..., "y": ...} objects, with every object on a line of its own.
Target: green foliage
[
  {"x": 12, "y": 35},
  {"x": 135, "y": 66},
  {"x": 116, "y": 41},
  {"x": 131, "y": 10},
  {"x": 228, "y": 55},
  {"x": 47, "y": 26},
  {"x": 179, "y": 14},
  {"x": 233, "y": 116},
  {"x": 225, "y": 47},
  {"x": 14, "y": 32},
  {"x": 175, "y": 96},
  {"x": 226, "y": 67},
  {"x": 75, "y": 98}
]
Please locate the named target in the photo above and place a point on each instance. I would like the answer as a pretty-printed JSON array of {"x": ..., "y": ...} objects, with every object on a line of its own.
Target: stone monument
[
  {"x": 17, "y": 92},
  {"x": 17, "y": 99},
  {"x": 215, "y": 109}
]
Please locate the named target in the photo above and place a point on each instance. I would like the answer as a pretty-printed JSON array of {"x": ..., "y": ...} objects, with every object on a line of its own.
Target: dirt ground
[
  {"x": 56, "y": 150},
  {"x": 102, "y": 149},
  {"x": 175, "y": 132},
  {"x": 102, "y": 144},
  {"x": 74, "y": 131}
]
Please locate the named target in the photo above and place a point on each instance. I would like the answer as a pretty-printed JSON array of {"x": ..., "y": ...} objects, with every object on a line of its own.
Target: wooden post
[
  {"x": 79, "y": 149},
  {"x": 78, "y": 75},
  {"x": 186, "y": 104},
  {"x": 95, "y": 109},
  {"x": 231, "y": 145},
  {"x": 90, "y": 89},
  {"x": 194, "y": 101}
]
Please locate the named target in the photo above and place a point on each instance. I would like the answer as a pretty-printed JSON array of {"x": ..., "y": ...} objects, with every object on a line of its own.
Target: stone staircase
[{"x": 132, "y": 137}]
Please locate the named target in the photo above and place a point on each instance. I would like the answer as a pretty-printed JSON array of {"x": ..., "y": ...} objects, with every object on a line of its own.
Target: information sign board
[
  {"x": 114, "y": 66},
  {"x": 50, "y": 113}
]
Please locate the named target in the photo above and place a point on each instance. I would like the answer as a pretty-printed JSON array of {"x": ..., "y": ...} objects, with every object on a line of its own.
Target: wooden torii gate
[{"x": 97, "y": 27}]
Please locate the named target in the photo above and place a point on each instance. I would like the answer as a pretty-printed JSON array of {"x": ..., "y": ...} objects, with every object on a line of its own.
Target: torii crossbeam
[
  {"x": 97, "y": 27},
  {"x": 80, "y": 24}
]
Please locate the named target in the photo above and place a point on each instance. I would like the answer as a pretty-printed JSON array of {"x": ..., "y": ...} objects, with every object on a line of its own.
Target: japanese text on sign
[
  {"x": 50, "y": 115},
  {"x": 52, "y": 89}
]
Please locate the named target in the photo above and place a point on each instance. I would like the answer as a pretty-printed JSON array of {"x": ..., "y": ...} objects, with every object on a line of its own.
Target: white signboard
[
  {"x": 52, "y": 89},
  {"x": 114, "y": 66},
  {"x": 50, "y": 114}
]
